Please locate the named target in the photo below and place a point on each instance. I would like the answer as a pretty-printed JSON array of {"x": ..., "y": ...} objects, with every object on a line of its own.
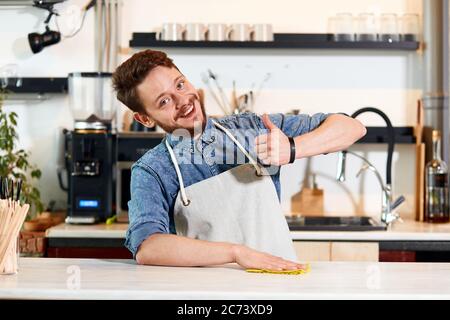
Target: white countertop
[
  {"x": 409, "y": 230},
  {"x": 101, "y": 230},
  {"x": 45, "y": 278}
]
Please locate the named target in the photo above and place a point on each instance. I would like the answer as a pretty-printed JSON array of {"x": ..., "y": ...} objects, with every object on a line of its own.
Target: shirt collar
[{"x": 208, "y": 135}]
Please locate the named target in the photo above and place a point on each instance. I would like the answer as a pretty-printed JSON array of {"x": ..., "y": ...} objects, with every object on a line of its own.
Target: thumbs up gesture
[{"x": 272, "y": 148}]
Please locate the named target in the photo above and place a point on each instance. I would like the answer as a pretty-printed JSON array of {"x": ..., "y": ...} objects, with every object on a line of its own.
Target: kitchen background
[{"x": 309, "y": 80}]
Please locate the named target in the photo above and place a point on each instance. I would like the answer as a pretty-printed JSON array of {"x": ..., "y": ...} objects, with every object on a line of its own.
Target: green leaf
[
  {"x": 36, "y": 174},
  {"x": 12, "y": 118}
]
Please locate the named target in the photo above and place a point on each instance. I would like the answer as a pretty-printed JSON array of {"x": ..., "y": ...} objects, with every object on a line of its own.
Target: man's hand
[
  {"x": 248, "y": 258},
  {"x": 173, "y": 250},
  {"x": 337, "y": 132},
  {"x": 272, "y": 148}
]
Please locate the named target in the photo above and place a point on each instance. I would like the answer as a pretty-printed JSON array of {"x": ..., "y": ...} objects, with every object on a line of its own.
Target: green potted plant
[{"x": 14, "y": 162}]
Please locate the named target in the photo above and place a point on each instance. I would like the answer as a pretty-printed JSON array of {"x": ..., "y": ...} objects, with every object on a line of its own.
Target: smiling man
[{"x": 209, "y": 193}]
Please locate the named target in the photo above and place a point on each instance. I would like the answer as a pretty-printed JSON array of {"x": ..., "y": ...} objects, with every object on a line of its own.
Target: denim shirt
[{"x": 154, "y": 182}]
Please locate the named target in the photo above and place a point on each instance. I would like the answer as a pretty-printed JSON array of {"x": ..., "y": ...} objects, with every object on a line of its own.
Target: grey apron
[{"x": 237, "y": 206}]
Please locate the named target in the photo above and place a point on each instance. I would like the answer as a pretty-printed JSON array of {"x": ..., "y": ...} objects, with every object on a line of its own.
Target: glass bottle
[{"x": 436, "y": 184}]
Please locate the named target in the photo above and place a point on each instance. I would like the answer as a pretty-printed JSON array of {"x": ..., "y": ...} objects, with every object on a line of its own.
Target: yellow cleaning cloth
[{"x": 289, "y": 272}]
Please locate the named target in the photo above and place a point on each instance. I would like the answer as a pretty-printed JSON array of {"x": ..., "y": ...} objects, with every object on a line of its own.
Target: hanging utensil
[
  {"x": 261, "y": 85},
  {"x": 245, "y": 105},
  {"x": 206, "y": 81},
  {"x": 219, "y": 88},
  {"x": 242, "y": 104},
  {"x": 235, "y": 100},
  {"x": 252, "y": 101}
]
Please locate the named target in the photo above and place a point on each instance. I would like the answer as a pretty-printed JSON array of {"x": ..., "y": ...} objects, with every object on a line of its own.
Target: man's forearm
[
  {"x": 173, "y": 250},
  {"x": 336, "y": 133}
]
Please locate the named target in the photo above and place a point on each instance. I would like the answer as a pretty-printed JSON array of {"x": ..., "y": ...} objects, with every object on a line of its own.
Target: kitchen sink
[{"x": 302, "y": 223}]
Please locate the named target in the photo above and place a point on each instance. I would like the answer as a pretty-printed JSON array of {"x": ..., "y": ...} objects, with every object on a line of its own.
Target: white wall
[{"x": 312, "y": 80}]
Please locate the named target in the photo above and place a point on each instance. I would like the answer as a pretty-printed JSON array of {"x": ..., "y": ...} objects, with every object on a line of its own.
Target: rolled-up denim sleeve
[
  {"x": 148, "y": 208},
  {"x": 296, "y": 125}
]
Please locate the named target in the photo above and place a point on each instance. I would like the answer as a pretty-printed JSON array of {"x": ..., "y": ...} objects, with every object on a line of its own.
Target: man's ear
[{"x": 143, "y": 119}]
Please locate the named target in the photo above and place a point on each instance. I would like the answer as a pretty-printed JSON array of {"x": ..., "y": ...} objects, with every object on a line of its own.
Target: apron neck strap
[
  {"x": 239, "y": 145},
  {"x": 184, "y": 198}
]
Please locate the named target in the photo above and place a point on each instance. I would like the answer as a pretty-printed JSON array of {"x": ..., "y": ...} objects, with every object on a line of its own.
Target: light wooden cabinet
[
  {"x": 354, "y": 251},
  {"x": 308, "y": 251},
  {"x": 312, "y": 251}
]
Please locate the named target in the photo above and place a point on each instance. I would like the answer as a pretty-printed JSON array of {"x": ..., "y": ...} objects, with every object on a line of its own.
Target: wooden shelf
[
  {"x": 37, "y": 85},
  {"x": 281, "y": 41},
  {"x": 403, "y": 135}
]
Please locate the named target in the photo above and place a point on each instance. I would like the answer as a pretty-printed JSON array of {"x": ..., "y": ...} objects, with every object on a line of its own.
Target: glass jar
[
  {"x": 91, "y": 96},
  {"x": 366, "y": 29},
  {"x": 343, "y": 27}
]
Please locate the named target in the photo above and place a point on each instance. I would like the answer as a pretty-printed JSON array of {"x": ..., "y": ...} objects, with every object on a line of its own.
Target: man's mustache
[{"x": 191, "y": 101}]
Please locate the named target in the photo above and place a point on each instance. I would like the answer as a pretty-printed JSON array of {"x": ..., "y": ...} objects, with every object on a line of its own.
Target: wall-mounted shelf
[
  {"x": 37, "y": 85},
  {"x": 403, "y": 135},
  {"x": 281, "y": 41}
]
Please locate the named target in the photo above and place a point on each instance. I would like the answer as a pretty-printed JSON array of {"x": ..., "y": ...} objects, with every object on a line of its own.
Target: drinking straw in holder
[{"x": 12, "y": 216}]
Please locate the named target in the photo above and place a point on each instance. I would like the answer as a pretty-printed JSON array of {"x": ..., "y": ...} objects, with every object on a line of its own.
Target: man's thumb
[{"x": 269, "y": 124}]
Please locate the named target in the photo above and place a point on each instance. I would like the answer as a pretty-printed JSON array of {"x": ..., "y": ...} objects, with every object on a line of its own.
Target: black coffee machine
[
  {"x": 90, "y": 149},
  {"x": 90, "y": 160}
]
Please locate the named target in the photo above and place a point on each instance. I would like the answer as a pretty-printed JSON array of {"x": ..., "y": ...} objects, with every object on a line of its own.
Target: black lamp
[{"x": 39, "y": 41}]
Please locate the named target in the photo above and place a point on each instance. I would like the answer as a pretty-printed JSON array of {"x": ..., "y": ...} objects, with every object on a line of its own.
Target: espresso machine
[{"x": 90, "y": 148}]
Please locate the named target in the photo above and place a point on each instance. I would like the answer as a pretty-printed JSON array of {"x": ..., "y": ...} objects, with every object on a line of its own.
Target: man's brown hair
[{"x": 132, "y": 72}]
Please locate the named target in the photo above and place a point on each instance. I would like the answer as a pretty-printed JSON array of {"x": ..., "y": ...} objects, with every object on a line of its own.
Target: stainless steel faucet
[{"x": 387, "y": 206}]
